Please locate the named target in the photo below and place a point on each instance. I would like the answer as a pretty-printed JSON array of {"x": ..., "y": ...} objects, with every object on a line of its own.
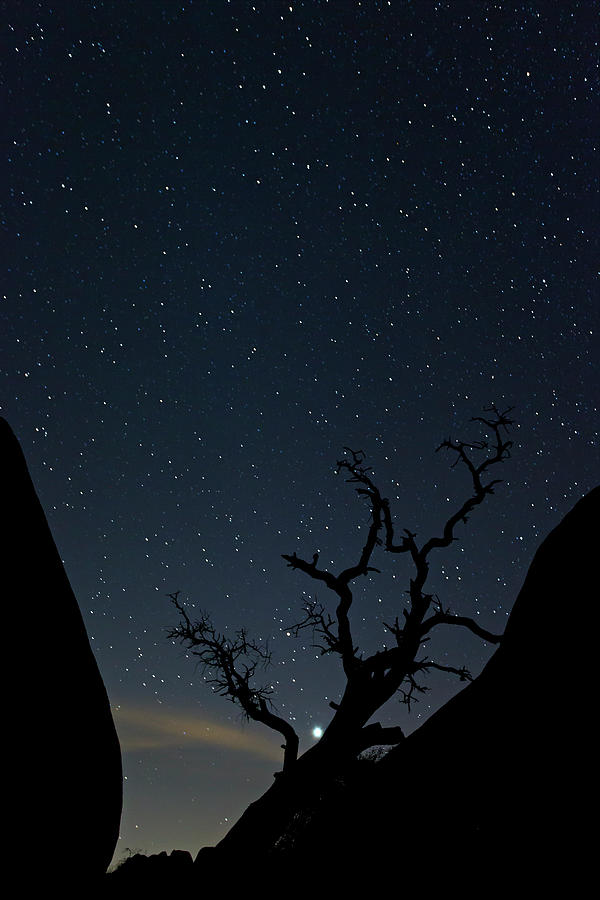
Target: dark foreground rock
[
  {"x": 62, "y": 772},
  {"x": 144, "y": 876}
]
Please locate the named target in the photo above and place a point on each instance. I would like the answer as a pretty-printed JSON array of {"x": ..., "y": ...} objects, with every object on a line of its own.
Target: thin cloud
[{"x": 144, "y": 729}]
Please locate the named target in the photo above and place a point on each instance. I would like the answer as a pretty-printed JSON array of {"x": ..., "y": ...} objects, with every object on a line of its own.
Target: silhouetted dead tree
[
  {"x": 229, "y": 668},
  {"x": 373, "y": 680},
  {"x": 370, "y": 680}
]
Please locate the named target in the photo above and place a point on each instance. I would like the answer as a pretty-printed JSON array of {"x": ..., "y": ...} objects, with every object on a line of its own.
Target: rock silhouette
[
  {"x": 153, "y": 875},
  {"x": 63, "y": 779}
]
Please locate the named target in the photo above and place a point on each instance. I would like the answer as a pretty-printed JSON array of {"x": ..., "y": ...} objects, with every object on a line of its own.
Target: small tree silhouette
[{"x": 230, "y": 665}]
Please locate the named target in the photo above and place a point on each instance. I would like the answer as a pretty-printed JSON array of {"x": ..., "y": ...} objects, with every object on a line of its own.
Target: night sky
[{"x": 239, "y": 236}]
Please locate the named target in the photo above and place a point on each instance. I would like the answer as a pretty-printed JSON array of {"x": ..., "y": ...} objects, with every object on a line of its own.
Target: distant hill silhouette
[{"x": 62, "y": 777}]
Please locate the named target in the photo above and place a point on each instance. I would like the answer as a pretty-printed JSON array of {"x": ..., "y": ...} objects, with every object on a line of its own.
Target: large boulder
[{"x": 63, "y": 783}]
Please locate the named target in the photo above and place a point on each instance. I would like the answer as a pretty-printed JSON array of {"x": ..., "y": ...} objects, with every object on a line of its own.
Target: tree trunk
[
  {"x": 298, "y": 789},
  {"x": 266, "y": 821}
]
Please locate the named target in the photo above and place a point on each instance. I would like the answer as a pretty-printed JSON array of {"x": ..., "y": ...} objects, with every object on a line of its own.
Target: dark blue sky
[{"x": 238, "y": 236}]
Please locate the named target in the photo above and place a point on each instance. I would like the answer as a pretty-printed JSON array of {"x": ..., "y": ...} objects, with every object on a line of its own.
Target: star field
[{"x": 239, "y": 236}]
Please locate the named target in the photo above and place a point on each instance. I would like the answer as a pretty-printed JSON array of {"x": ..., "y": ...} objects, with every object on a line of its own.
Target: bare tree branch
[
  {"x": 427, "y": 664},
  {"x": 343, "y": 643},
  {"x": 441, "y": 618},
  {"x": 501, "y": 451},
  {"x": 321, "y": 624}
]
